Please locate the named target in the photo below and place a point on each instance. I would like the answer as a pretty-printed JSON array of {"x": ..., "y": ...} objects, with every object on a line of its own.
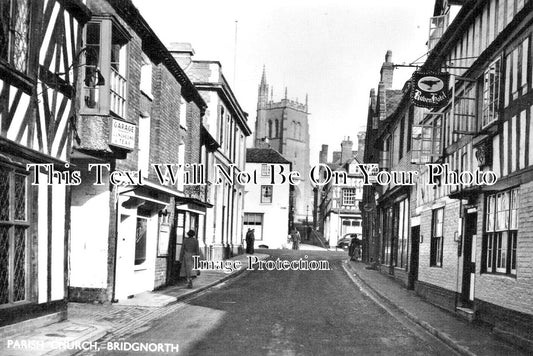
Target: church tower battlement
[{"x": 284, "y": 126}]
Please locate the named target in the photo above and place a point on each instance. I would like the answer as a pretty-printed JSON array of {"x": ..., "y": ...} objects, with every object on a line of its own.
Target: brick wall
[
  {"x": 506, "y": 291},
  {"x": 447, "y": 275}
]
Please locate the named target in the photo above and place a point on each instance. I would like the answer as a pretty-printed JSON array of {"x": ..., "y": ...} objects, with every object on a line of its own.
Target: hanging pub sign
[{"x": 430, "y": 89}]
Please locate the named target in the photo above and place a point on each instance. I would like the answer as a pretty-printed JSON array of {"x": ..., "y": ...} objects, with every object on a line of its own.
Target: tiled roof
[
  {"x": 393, "y": 100},
  {"x": 264, "y": 155}
]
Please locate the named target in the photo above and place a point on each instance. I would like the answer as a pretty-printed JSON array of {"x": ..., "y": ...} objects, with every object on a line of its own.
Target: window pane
[
  {"x": 20, "y": 31},
  {"x": 140, "y": 241},
  {"x": 92, "y": 58},
  {"x": 4, "y": 264},
  {"x": 513, "y": 251},
  {"x": 266, "y": 194},
  {"x": 4, "y": 193},
  {"x": 20, "y": 197},
  {"x": 4, "y": 28},
  {"x": 19, "y": 268},
  {"x": 490, "y": 251}
]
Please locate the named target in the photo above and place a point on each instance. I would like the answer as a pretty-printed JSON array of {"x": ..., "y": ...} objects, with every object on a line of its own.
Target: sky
[{"x": 331, "y": 50}]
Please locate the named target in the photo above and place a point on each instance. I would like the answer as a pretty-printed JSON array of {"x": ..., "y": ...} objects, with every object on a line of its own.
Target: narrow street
[{"x": 287, "y": 313}]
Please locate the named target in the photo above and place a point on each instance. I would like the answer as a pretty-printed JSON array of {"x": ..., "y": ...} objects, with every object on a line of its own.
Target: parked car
[{"x": 344, "y": 243}]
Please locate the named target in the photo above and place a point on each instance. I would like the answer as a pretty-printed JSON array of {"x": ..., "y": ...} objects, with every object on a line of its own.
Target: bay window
[{"x": 104, "y": 82}]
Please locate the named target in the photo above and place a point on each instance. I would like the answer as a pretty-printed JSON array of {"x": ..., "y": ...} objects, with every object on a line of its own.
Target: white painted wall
[
  {"x": 132, "y": 279},
  {"x": 58, "y": 242},
  {"x": 276, "y": 214},
  {"x": 89, "y": 234},
  {"x": 42, "y": 238}
]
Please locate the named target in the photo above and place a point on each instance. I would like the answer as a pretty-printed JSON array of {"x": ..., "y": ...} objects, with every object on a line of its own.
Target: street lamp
[{"x": 307, "y": 223}]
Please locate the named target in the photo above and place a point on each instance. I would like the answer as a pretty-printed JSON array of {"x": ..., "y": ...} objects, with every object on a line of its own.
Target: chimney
[
  {"x": 346, "y": 150},
  {"x": 182, "y": 52},
  {"x": 323, "y": 155},
  {"x": 387, "y": 70}
]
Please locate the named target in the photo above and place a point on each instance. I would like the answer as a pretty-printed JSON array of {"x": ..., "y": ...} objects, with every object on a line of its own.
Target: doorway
[
  {"x": 469, "y": 259},
  {"x": 413, "y": 267}
]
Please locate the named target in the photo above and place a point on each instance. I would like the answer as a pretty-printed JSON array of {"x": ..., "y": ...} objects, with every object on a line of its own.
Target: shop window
[
  {"x": 105, "y": 52},
  {"x": 14, "y": 32},
  {"x": 437, "y": 238},
  {"x": 13, "y": 236},
  {"x": 266, "y": 194},
  {"x": 402, "y": 231},
  {"x": 491, "y": 93},
  {"x": 501, "y": 230}
]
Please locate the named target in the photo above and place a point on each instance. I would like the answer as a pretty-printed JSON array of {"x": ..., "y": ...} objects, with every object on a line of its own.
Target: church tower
[{"x": 283, "y": 125}]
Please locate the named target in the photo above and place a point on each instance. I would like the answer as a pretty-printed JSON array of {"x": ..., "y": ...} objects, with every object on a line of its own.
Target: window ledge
[
  {"x": 499, "y": 275},
  {"x": 148, "y": 94}
]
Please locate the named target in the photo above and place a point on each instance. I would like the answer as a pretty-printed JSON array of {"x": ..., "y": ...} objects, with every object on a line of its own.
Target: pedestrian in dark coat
[
  {"x": 189, "y": 249},
  {"x": 296, "y": 238},
  {"x": 250, "y": 240},
  {"x": 353, "y": 249}
]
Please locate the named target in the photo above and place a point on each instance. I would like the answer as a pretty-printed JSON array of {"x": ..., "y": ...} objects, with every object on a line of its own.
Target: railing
[{"x": 118, "y": 87}]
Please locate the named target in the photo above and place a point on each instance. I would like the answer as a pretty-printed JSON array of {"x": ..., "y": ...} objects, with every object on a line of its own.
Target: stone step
[{"x": 465, "y": 313}]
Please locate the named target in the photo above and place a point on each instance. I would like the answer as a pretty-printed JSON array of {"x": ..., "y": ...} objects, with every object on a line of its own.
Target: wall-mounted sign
[
  {"x": 164, "y": 235},
  {"x": 122, "y": 134},
  {"x": 430, "y": 90}
]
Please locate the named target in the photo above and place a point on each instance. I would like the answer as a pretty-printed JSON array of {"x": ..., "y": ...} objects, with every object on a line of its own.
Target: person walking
[
  {"x": 353, "y": 249},
  {"x": 189, "y": 249},
  {"x": 296, "y": 238},
  {"x": 250, "y": 240}
]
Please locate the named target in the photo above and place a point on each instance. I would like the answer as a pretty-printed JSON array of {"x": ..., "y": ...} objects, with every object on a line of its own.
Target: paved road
[{"x": 288, "y": 313}]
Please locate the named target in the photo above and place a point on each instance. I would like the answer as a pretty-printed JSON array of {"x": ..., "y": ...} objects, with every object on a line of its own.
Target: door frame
[{"x": 469, "y": 258}]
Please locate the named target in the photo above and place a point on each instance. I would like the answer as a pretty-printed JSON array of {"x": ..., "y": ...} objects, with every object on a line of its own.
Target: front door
[
  {"x": 469, "y": 259},
  {"x": 413, "y": 267}
]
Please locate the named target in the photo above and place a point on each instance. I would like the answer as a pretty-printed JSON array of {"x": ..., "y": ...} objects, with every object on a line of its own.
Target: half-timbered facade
[
  {"x": 40, "y": 44},
  {"x": 339, "y": 206},
  {"x": 475, "y": 247}
]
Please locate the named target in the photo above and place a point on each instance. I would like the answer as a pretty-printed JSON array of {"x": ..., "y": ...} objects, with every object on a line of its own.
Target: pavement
[
  {"x": 464, "y": 337},
  {"x": 87, "y": 323}
]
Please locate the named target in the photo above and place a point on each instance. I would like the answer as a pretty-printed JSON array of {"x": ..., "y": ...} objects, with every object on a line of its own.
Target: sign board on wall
[
  {"x": 430, "y": 89},
  {"x": 164, "y": 235},
  {"x": 122, "y": 134}
]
